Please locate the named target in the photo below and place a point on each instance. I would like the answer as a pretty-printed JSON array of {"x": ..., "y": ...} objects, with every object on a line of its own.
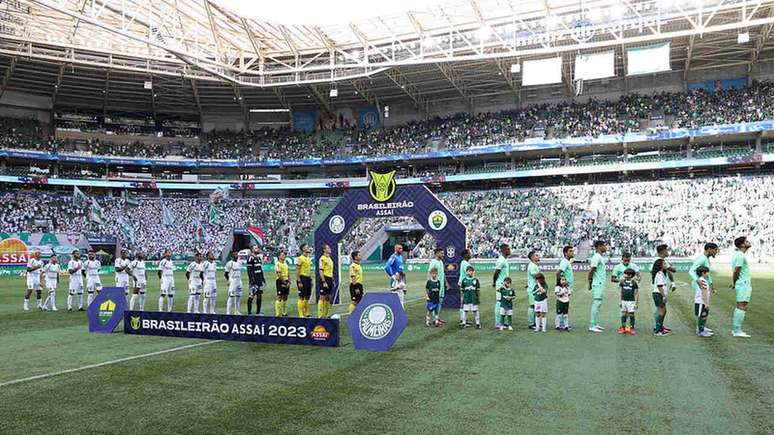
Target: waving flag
[
  {"x": 256, "y": 233},
  {"x": 126, "y": 230},
  {"x": 200, "y": 233},
  {"x": 79, "y": 198},
  {"x": 167, "y": 217},
  {"x": 215, "y": 216},
  {"x": 96, "y": 214}
]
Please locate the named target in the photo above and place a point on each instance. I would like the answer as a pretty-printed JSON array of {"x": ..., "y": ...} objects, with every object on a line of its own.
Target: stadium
[{"x": 221, "y": 216}]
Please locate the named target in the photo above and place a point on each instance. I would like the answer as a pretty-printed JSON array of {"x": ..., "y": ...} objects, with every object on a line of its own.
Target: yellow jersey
[
  {"x": 326, "y": 265},
  {"x": 282, "y": 271},
  {"x": 356, "y": 273},
  {"x": 304, "y": 265}
]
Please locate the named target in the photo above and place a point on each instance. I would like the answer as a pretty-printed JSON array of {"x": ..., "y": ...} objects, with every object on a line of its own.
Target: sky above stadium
[{"x": 321, "y": 12}]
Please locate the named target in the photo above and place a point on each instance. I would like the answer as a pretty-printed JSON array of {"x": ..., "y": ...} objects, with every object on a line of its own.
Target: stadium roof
[{"x": 201, "y": 56}]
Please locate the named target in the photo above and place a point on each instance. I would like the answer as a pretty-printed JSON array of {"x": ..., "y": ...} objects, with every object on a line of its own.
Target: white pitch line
[
  {"x": 106, "y": 363},
  {"x": 129, "y": 358}
]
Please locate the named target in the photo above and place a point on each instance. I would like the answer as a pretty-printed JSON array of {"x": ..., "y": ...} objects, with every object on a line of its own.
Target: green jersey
[
  {"x": 566, "y": 267},
  {"x": 701, "y": 260},
  {"x": 470, "y": 287},
  {"x": 628, "y": 290},
  {"x": 504, "y": 268},
  {"x": 463, "y": 271},
  {"x": 620, "y": 268},
  {"x": 438, "y": 265},
  {"x": 506, "y": 297},
  {"x": 598, "y": 262},
  {"x": 433, "y": 288},
  {"x": 532, "y": 270},
  {"x": 744, "y": 281},
  {"x": 539, "y": 296}
]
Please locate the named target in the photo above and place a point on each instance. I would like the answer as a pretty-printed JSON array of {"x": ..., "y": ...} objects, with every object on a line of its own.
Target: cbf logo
[
  {"x": 135, "y": 323},
  {"x": 336, "y": 224},
  {"x": 437, "y": 220},
  {"x": 376, "y": 321},
  {"x": 382, "y": 186},
  {"x": 106, "y": 310}
]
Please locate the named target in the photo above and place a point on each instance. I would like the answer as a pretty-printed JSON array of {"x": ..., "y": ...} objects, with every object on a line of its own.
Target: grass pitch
[{"x": 440, "y": 380}]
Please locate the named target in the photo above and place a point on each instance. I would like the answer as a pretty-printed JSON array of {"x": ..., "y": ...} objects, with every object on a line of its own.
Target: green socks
[
  {"x": 738, "y": 319},
  {"x": 702, "y": 322},
  {"x": 623, "y": 320},
  {"x": 631, "y": 320}
]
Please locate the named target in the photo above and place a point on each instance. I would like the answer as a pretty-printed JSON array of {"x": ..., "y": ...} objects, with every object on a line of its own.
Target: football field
[{"x": 54, "y": 374}]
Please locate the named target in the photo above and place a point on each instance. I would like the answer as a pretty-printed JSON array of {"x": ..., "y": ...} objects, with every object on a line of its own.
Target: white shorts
[
  {"x": 194, "y": 289},
  {"x": 210, "y": 290},
  {"x": 470, "y": 307},
  {"x": 76, "y": 288},
  {"x": 122, "y": 281},
  {"x": 93, "y": 285},
  {"x": 167, "y": 287},
  {"x": 142, "y": 286},
  {"x": 504, "y": 312},
  {"x": 541, "y": 306},
  {"x": 235, "y": 288},
  {"x": 33, "y": 281},
  {"x": 628, "y": 306},
  {"x": 51, "y": 286}
]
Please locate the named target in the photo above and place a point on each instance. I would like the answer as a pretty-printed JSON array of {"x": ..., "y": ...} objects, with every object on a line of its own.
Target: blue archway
[{"x": 416, "y": 201}]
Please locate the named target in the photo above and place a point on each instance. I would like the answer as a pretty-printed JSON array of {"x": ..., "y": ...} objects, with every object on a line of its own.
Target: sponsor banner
[
  {"x": 106, "y": 310},
  {"x": 368, "y": 118},
  {"x": 16, "y": 247},
  {"x": 305, "y": 121},
  {"x": 258, "y": 329},
  {"x": 377, "y": 322}
]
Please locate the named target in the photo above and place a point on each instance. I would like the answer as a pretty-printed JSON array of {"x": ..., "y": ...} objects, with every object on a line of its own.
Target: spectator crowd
[
  {"x": 633, "y": 217},
  {"x": 630, "y": 113}
]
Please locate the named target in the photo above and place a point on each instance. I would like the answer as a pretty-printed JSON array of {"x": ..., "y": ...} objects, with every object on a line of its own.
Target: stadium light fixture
[
  {"x": 333, "y": 93},
  {"x": 483, "y": 33},
  {"x": 743, "y": 38},
  {"x": 515, "y": 68},
  {"x": 269, "y": 110}
]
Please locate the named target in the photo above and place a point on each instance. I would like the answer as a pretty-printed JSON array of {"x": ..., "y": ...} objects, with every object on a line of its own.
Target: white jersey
[
  {"x": 210, "y": 268},
  {"x": 660, "y": 280},
  {"x": 74, "y": 268},
  {"x": 701, "y": 283},
  {"x": 37, "y": 264},
  {"x": 167, "y": 268},
  {"x": 92, "y": 270},
  {"x": 51, "y": 272},
  {"x": 195, "y": 270},
  {"x": 234, "y": 269},
  {"x": 138, "y": 270},
  {"x": 122, "y": 277}
]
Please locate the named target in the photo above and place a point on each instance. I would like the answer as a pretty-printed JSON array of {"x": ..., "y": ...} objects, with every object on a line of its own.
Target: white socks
[
  {"x": 26, "y": 304},
  {"x": 228, "y": 304},
  {"x": 401, "y": 296},
  {"x": 540, "y": 324},
  {"x": 142, "y": 301},
  {"x": 170, "y": 301},
  {"x": 132, "y": 301},
  {"x": 193, "y": 304},
  {"x": 478, "y": 318},
  {"x": 205, "y": 305},
  {"x": 236, "y": 304},
  {"x": 69, "y": 302},
  {"x": 463, "y": 316},
  {"x": 161, "y": 303},
  {"x": 80, "y": 301},
  {"x": 89, "y": 298}
]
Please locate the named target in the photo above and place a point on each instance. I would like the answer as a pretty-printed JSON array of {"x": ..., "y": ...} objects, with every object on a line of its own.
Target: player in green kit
[
  {"x": 597, "y": 281},
  {"x": 502, "y": 271},
  {"x": 470, "y": 296},
  {"x": 741, "y": 282},
  {"x": 437, "y": 264},
  {"x": 562, "y": 321},
  {"x": 533, "y": 270},
  {"x": 466, "y": 254},
  {"x": 620, "y": 268},
  {"x": 710, "y": 251}
]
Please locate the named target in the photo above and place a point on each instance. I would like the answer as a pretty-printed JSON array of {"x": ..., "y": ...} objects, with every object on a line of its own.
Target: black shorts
[
  {"x": 658, "y": 300},
  {"x": 305, "y": 291},
  {"x": 283, "y": 288},
  {"x": 356, "y": 292},
  {"x": 700, "y": 310},
  {"x": 562, "y": 307},
  {"x": 327, "y": 290},
  {"x": 255, "y": 289}
]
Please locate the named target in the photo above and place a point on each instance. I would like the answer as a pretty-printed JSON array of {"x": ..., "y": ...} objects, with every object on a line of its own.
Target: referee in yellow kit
[
  {"x": 325, "y": 268},
  {"x": 304, "y": 280}
]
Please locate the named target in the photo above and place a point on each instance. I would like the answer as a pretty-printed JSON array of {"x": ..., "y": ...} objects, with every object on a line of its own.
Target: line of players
[
  {"x": 201, "y": 276},
  {"x": 626, "y": 274}
]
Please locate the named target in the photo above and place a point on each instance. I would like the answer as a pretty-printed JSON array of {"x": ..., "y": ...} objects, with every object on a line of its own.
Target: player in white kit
[
  {"x": 137, "y": 270},
  {"x": 233, "y": 273},
  {"x": 93, "y": 282},
  {"x": 75, "y": 269},
  {"x": 195, "y": 274},
  {"x": 210, "y": 285},
  {"x": 51, "y": 275},
  {"x": 122, "y": 272},
  {"x": 167, "y": 277},
  {"x": 34, "y": 264}
]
